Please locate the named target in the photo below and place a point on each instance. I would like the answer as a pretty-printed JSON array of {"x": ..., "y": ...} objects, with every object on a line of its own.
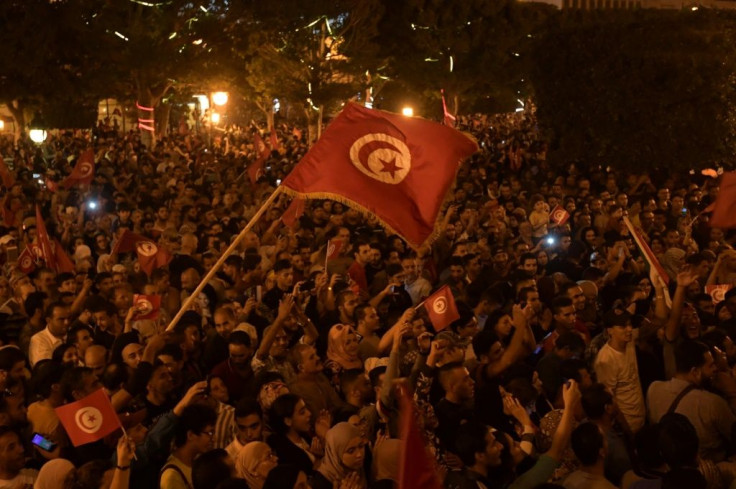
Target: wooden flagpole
[{"x": 229, "y": 251}]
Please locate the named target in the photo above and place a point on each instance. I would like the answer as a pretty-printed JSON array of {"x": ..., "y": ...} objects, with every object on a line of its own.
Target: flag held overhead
[
  {"x": 395, "y": 167},
  {"x": 89, "y": 419}
]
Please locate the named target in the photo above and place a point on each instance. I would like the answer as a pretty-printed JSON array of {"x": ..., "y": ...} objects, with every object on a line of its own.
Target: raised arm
[
  {"x": 571, "y": 398},
  {"x": 513, "y": 353},
  {"x": 284, "y": 310},
  {"x": 672, "y": 328}
]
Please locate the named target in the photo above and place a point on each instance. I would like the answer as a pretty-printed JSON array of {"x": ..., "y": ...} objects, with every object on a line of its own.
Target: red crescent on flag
[
  {"x": 146, "y": 248},
  {"x": 370, "y": 147},
  {"x": 26, "y": 262},
  {"x": 85, "y": 170},
  {"x": 439, "y": 305}
]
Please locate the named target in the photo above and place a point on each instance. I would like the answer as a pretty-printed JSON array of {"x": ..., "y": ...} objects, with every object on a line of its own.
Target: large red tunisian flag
[
  {"x": 151, "y": 257},
  {"x": 127, "y": 241},
  {"x": 417, "y": 468},
  {"x": 83, "y": 172},
  {"x": 398, "y": 168},
  {"x": 293, "y": 213},
  {"x": 441, "y": 308},
  {"x": 89, "y": 419},
  {"x": 51, "y": 250},
  {"x": 724, "y": 208}
]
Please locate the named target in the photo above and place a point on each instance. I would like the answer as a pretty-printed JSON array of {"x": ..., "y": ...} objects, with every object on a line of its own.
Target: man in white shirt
[
  {"x": 43, "y": 343},
  {"x": 417, "y": 286},
  {"x": 617, "y": 369}
]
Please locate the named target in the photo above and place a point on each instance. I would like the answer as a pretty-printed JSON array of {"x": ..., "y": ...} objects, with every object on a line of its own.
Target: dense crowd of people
[{"x": 573, "y": 362}]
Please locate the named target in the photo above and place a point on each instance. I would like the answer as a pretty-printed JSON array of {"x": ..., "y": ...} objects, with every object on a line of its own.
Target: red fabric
[
  {"x": 292, "y": 214},
  {"x": 5, "y": 175},
  {"x": 51, "y": 250},
  {"x": 333, "y": 249},
  {"x": 51, "y": 185},
  {"x": 274, "y": 140},
  {"x": 646, "y": 251},
  {"x": 8, "y": 213},
  {"x": 83, "y": 172},
  {"x": 149, "y": 306},
  {"x": 63, "y": 262},
  {"x": 151, "y": 257},
  {"x": 357, "y": 273},
  {"x": 255, "y": 170},
  {"x": 398, "y": 168},
  {"x": 717, "y": 292},
  {"x": 449, "y": 119},
  {"x": 26, "y": 261},
  {"x": 89, "y": 419},
  {"x": 559, "y": 215},
  {"x": 126, "y": 242},
  {"x": 724, "y": 211},
  {"x": 441, "y": 308},
  {"x": 417, "y": 468}
]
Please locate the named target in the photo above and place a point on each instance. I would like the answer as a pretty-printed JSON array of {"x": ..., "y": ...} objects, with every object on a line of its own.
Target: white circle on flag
[
  {"x": 26, "y": 262},
  {"x": 88, "y": 419},
  {"x": 558, "y": 215},
  {"x": 85, "y": 169},
  {"x": 146, "y": 248},
  {"x": 439, "y": 306},
  {"x": 144, "y": 307},
  {"x": 330, "y": 249},
  {"x": 381, "y": 157},
  {"x": 719, "y": 294}
]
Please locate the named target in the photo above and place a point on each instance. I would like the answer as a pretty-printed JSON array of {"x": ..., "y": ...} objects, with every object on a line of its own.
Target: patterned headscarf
[{"x": 336, "y": 341}]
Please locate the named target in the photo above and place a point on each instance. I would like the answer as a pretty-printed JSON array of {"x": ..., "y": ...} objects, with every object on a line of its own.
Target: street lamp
[
  {"x": 407, "y": 111},
  {"x": 37, "y": 131},
  {"x": 219, "y": 98}
]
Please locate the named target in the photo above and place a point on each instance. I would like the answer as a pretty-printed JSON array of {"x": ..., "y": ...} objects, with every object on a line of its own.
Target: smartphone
[
  {"x": 42, "y": 442},
  {"x": 259, "y": 293},
  {"x": 550, "y": 241}
]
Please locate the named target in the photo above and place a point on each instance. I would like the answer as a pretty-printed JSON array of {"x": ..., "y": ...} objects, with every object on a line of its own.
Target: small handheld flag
[{"x": 89, "y": 419}]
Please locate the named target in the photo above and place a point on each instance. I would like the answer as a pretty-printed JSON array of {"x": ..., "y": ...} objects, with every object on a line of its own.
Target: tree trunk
[
  {"x": 19, "y": 119},
  {"x": 163, "y": 114},
  {"x": 319, "y": 121},
  {"x": 146, "y": 118},
  {"x": 269, "y": 117},
  {"x": 311, "y": 127}
]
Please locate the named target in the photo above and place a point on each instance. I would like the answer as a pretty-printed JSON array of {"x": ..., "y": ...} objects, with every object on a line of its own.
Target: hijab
[
  {"x": 336, "y": 341},
  {"x": 247, "y": 461},
  {"x": 386, "y": 460},
  {"x": 336, "y": 442},
  {"x": 53, "y": 473}
]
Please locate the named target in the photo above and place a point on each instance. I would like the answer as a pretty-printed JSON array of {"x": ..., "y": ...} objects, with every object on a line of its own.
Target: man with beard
[
  {"x": 236, "y": 372},
  {"x": 311, "y": 384}
]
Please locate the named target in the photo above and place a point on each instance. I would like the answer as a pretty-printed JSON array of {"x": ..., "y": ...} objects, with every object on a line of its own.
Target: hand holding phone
[{"x": 42, "y": 442}]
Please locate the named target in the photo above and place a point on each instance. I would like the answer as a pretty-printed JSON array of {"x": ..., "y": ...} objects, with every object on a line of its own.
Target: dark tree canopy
[{"x": 642, "y": 89}]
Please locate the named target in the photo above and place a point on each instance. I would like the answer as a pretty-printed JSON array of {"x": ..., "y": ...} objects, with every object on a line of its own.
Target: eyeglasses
[{"x": 208, "y": 433}]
